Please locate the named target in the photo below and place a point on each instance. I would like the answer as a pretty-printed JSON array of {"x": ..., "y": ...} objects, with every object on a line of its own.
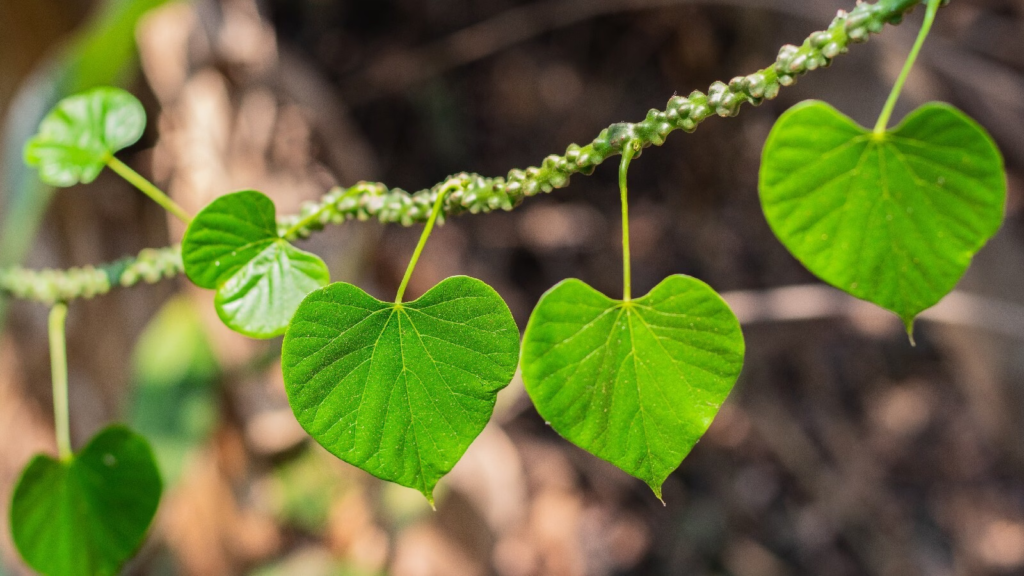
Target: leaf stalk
[
  {"x": 883, "y": 119},
  {"x": 59, "y": 374},
  {"x": 149, "y": 189},
  {"x": 628, "y": 151},
  {"x": 434, "y": 213}
]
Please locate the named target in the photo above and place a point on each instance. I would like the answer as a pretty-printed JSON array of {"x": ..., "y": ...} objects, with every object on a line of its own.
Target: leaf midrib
[{"x": 397, "y": 312}]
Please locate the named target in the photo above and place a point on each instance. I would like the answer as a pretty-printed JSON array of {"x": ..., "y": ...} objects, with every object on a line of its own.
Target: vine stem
[
  {"x": 306, "y": 221},
  {"x": 149, "y": 189},
  {"x": 627, "y": 278},
  {"x": 929, "y": 18},
  {"x": 476, "y": 194},
  {"x": 423, "y": 241},
  {"x": 317, "y": 214},
  {"x": 59, "y": 374}
]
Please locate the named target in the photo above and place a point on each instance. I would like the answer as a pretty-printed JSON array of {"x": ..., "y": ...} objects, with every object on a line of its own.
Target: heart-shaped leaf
[
  {"x": 399, "y": 390},
  {"x": 88, "y": 515},
  {"x": 233, "y": 246},
  {"x": 82, "y": 132},
  {"x": 892, "y": 219},
  {"x": 635, "y": 383}
]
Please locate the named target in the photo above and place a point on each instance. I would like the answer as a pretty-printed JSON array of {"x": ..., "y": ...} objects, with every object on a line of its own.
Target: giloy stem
[
  {"x": 478, "y": 194},
  {"x": 316, "y": 215}
]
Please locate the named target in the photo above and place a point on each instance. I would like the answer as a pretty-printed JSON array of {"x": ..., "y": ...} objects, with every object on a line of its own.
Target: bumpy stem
[
  {"x": 49, "y": 286},
  {"x": 59, "y": 374},
  {"x": 897, "y": 89},
  {"x": 474, "y": 193}
]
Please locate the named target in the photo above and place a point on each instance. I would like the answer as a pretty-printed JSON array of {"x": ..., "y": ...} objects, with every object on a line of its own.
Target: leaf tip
[
  {"x": 656, "y": 488},
  {"x": 430, "y": 499},
  {"x": 908, "y": 323}
]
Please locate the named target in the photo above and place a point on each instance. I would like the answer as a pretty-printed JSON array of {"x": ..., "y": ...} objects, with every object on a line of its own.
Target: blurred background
[{"x": 842, "y": 451}]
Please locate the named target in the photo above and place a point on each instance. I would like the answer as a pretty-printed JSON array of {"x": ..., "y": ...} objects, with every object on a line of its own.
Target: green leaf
[
  {"x": 635, "y": 383},
  {"x": 83, "y": 131},
  {"x": 895, "y": 219},
  {"x": 399, "y": 390},
  {"x": 86, "y": 516},
  {"x": 233, "y": 246}
]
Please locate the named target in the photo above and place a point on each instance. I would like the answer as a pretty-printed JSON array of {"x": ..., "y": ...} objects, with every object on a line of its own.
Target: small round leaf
[
  {"x": 82, "y": 132},
  {"x": 89, "y": 515},
  {"x": 399, "y": 390},
  {"x": 233, "y": 247},
  {"x": 635, "y": 383},
  {"x": 892, "y": 219}
]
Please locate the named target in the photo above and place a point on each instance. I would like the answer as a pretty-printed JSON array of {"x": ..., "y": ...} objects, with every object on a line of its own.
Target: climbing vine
[{"x": 401, "y": 389}]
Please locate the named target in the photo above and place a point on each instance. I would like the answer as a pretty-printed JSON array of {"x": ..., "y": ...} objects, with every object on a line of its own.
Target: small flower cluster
[
  {"x": 150, "y": 266},
  {"x": 373, "y": 200},
  {"x": 51, "y": 286}
]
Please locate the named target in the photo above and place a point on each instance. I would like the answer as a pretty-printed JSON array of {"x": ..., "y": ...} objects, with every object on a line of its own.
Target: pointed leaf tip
[
  {"x": 909, "y": 325},
  {"x": 656, "y": 488}
]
